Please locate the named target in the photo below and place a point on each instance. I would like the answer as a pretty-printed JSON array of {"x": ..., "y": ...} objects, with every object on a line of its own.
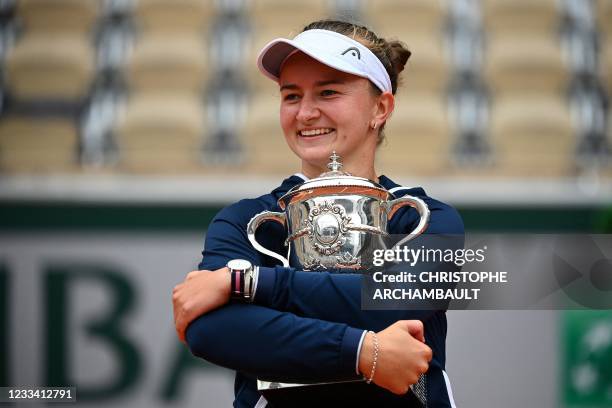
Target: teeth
[{"x": 315, "y": 132}]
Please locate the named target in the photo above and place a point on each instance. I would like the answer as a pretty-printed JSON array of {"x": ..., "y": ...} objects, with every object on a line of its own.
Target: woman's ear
[{"x": 384, "y": 107}]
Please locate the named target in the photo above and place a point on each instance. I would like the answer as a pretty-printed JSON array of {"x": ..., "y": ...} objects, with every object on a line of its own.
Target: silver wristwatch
[{"x": 242, "y": 280}]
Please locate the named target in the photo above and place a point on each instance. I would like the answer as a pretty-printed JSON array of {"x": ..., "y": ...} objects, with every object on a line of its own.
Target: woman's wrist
[
  {"x": 366, "y": 356},
  {"x": 224, "y": 281}
]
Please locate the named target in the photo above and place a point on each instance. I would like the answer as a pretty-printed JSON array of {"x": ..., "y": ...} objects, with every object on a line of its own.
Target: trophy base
[
  {"x": 334, "y": 394},
  {"x": 264, "y": 386}
]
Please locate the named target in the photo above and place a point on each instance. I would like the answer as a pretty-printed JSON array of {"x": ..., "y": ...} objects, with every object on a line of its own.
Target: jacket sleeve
[
  {"x": 333, "y": 297},
  {"x": 267, "y": 343},
  {"x": 273, "y": 345}
]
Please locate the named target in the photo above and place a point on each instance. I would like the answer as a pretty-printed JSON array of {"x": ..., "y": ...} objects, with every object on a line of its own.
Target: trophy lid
[{"x": 334, "y": 182}]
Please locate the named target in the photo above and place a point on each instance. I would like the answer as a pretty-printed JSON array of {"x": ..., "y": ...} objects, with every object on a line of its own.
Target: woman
[{"x": 337, "y": 83}]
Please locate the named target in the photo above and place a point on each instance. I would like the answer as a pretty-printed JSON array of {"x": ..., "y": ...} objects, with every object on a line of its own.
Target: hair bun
[{"x": 398, "y": 54}]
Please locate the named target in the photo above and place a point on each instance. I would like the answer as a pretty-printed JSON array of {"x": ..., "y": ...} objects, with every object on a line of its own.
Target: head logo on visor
[
  {"x": 330, "y": 48},
  {"x": 354, "y": 52}
]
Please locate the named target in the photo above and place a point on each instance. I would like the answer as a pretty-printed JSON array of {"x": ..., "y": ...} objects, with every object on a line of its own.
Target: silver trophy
[
  {"x": 333, "y": 218},
  {"x": 334, "y": 221}
]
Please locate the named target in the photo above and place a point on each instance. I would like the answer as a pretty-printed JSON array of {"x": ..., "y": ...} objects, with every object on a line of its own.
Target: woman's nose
[{"x": 308, "y": 110}]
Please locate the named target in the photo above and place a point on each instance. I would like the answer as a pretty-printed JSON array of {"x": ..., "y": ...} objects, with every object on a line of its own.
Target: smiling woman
[{"x": 337, "y": 83}]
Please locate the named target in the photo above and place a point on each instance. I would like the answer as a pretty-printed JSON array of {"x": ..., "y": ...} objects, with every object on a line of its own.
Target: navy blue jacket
[{"x": 306, "y": 327}]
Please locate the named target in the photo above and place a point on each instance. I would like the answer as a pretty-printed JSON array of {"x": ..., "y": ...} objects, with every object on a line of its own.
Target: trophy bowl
[{"x": 336, "y": 220}]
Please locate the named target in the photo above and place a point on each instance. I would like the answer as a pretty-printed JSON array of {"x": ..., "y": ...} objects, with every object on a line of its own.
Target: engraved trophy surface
[{"x": 334, "y": 222}]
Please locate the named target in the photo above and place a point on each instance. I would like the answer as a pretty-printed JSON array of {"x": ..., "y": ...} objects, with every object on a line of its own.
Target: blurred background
[{"x": 125, "y": 125}]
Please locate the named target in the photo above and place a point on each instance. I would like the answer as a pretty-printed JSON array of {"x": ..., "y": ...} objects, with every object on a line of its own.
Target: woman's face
[{"x": 323, "y": 109}]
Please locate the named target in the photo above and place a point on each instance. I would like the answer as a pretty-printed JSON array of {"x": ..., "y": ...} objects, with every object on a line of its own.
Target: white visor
[{"x": 330, "y": 48}]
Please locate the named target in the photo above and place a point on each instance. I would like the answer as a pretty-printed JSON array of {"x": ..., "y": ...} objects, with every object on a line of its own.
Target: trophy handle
[
  {"x": 416, "y": 203},
  {"x": 255, "y": 222}
]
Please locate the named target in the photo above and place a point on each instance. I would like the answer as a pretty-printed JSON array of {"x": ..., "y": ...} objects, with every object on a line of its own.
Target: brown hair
[{"x": 393, "y": 54}]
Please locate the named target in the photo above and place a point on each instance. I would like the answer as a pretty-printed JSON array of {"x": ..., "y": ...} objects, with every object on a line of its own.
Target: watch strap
[{"x": 237, "y": 282}]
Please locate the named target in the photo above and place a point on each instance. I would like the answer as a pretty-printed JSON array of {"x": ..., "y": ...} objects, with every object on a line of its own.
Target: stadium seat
[
  {"x": 532, "y": 136},
  {"x": 411, "y": 15},
  {"x": 519, "y": 16},
  {"x": 266, "y": 150},
  {"x": 605, "y": 26},
  {"x": 417, "y": 137},
  {"x": 176, "y": 62},
  {"x": 38, "y": 145},
  {"x": 418, "y": 24},
  {"x": 282, "y": 13},
  {"x": 603, "y": 12},
  {"x": 161, "y": 132},
  {"x": 58, "y": 15},
  {"x": 427, "y": 68},
  {"x": 175, "y": 15},
  {"x": 525, "y": 61},
  {"x": 607, "y": 69},
  {"x": 50, "y": 66},
  {"x": 286, "y": 19},
  {"x": 523, "y": 46}
]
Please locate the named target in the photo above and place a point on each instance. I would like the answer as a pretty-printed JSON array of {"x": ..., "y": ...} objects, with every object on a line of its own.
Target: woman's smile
[
  {"x": 311, "y": 132},
  {"x": 324, "y": 136}
]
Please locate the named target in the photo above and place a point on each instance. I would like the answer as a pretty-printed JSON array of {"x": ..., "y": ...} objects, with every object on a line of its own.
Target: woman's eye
[
  {"x": 328, "y": 92},
  {"x": 290, "y": 97}
]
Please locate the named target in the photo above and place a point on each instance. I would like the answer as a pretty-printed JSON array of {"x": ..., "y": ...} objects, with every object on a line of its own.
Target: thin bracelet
[{"x": 369, "y": 380}]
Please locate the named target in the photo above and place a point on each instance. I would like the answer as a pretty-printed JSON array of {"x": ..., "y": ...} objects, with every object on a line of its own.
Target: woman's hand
[
  {"x": 402, "y": 356},
  {"x": 198, "y": 294}
]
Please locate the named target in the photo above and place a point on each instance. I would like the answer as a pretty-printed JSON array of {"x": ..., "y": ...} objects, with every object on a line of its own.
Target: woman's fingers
[
  {"x": 179, "y": 307},
  {"x": 415, "y": 328},
  {"x": 402, "y": 356}
]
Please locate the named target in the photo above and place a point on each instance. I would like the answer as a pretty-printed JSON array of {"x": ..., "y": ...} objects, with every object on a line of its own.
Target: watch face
[{"x": 240, "y": 264}]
